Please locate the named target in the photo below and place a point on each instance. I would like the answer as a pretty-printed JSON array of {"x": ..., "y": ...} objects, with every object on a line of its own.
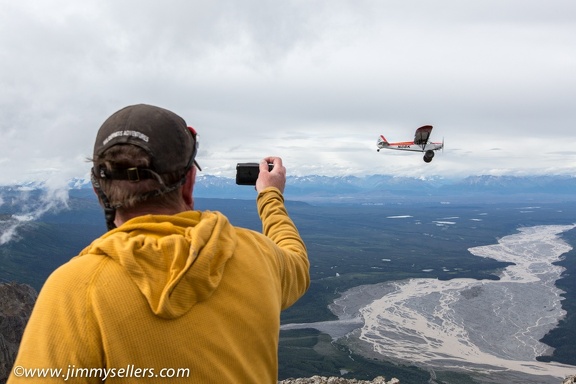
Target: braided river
[{"x": 490, "y": 328}]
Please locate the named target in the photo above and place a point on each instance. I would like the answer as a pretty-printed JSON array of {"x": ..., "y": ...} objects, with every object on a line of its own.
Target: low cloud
[{"x": 28, "y": 204}]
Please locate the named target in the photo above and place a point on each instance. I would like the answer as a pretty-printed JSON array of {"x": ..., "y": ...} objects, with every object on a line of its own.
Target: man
[{"x": 168, "y": 293}]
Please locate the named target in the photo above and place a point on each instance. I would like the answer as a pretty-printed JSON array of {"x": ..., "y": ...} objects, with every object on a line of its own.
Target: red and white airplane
[{"x": 420, "y": 143}]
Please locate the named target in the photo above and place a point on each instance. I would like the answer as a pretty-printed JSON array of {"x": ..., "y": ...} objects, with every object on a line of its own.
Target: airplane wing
[{"x": 422, "y": 135}]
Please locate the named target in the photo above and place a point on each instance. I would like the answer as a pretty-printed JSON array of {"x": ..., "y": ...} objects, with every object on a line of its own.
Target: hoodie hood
[{"x": 176, "y": 261}]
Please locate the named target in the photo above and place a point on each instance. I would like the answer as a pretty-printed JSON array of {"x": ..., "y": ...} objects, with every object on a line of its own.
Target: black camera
[{"x": 247, "y": 173}]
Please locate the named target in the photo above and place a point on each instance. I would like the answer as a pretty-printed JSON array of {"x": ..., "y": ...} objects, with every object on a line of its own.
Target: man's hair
[{"x": 126, "y": 194}]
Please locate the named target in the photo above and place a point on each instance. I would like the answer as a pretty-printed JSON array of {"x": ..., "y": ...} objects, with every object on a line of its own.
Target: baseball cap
[{"x": 165, "y": 136}]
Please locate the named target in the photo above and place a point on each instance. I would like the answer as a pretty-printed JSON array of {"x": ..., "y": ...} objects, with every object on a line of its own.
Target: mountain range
[
  {"x": 378, "y": 188},
  {"x": 385, "y": 188},
  {"x": 372, "y": 189}
]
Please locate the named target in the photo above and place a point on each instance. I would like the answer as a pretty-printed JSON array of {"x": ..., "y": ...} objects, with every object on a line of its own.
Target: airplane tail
[{"x": 382, "y": 142}]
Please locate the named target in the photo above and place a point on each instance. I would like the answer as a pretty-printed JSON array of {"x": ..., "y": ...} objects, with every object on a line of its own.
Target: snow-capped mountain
[{"x": 371, "y": 189}]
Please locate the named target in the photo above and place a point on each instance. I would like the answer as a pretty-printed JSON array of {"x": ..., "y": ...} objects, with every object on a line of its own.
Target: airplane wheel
[{"x": 428, "y": 156}]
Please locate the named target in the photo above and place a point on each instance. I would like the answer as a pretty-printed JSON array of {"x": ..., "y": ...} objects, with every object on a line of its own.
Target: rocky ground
[
  {"x": 377, "y": 380},
  {"x": 16, "y": 302},
  {"x": 337, "y": 380}
]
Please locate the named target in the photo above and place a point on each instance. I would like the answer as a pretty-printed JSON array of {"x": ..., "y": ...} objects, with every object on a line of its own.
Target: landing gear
[{"x": 428, "y": 156}]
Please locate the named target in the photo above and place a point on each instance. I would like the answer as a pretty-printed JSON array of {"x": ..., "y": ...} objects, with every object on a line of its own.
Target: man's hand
[{"x": 274, "y": 178}]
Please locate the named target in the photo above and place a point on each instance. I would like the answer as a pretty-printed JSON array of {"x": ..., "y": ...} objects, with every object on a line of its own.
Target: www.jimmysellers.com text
[{"x": 130, "y": 371}]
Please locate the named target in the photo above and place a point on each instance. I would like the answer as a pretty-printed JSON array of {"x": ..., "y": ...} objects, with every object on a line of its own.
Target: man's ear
[{"x": 188, "y": 187}]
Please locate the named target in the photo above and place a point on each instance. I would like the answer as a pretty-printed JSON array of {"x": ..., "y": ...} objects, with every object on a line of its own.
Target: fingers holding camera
[{"x": 276, "y": 177}]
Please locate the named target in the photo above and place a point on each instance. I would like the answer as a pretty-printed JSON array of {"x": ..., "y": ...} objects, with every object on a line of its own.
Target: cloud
[
  {"x": 28, "y": 204},
  {"x": 306, "y": 80}
]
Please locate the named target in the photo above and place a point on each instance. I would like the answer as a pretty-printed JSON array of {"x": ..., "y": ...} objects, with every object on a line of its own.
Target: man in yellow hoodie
[{"x": 168, "y": 294}]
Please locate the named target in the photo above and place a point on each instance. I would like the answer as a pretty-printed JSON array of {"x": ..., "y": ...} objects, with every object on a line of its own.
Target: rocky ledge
[
  {"x": 338, "y": 380},
  {"x": 16, "y": 303},
  {"x": 377, "y": 380}
]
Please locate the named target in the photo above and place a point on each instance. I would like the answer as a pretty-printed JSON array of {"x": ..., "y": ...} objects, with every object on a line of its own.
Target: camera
[{"x": 247, "y": 173}]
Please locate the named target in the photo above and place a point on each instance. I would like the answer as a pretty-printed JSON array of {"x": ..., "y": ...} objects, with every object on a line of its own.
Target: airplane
[{"x": 420, "y": 143}]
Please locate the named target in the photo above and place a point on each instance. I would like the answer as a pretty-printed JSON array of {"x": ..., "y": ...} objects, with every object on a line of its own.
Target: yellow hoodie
[{"x": 187, "y": 296}]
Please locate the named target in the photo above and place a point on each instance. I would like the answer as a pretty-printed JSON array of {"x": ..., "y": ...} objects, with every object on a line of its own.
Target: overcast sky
[{"x": 315, "y": 82}]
